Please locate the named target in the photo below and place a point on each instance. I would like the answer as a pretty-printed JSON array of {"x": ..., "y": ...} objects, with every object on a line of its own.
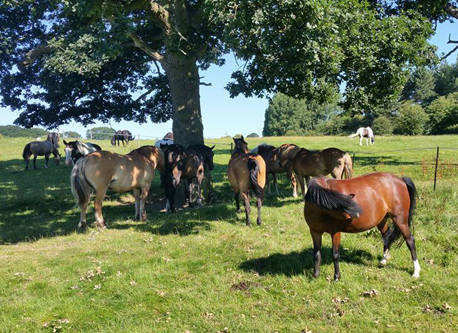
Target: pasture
[{"x": 203, "y": 270}]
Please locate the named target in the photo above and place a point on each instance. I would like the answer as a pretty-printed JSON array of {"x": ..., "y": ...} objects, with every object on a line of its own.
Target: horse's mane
[
  {"x": 262, "y": 149},
  {"x": 331, "y": 200}
]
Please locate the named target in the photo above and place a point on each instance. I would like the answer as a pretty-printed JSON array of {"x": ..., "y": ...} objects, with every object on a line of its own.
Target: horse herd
[{"x": 332, "y": 205}]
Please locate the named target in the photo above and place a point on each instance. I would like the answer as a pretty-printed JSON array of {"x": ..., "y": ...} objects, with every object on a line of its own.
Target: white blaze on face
[{"x": 68, "y": 156}]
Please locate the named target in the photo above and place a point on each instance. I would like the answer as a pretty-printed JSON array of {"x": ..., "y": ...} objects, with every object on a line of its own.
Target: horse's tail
[
  {"x": 254, "y": 168},
  {"x": 331, "y": 200},
  {"x": 353, "y": 135},
  {"x": 394, "y": 234},
  {"x": 26, "y": 152},
  {"x": 81, "y": 188},
  {"x": 348, "y": 166}
]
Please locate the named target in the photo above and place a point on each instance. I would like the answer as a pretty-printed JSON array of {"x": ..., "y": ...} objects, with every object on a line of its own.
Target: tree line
[{"x": 428, "y": 104}]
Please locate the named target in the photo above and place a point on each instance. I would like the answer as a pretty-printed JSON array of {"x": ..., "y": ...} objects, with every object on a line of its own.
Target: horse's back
[{"x": 40, "y": 147}]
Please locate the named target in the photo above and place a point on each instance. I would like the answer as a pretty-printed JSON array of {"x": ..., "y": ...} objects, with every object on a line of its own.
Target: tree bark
[{"x": 183, "y": 76}]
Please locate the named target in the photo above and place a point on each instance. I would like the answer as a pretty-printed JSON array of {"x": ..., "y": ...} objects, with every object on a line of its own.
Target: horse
[
  {"x": 247, "y": 171},
  {"x": 181, "y": 163},
  {"x": 359, "y": 204},
  {"x": 274, "y": 158},
  {"x": 123, "y": 136},
  {"x": 54, "y": 138},
  {"x": 102, "y": 170},
  {"x": 364, "y": 132},
  {"x": 74, "y": 150},
  {"x": 313, "y": 163},
  {"x": 40, "y": 148}
]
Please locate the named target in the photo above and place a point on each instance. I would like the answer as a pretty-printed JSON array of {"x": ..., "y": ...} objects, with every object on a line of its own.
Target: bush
[
  {"x": 252, "y": 135},
  {"x": 411, "y": 120},
  {"x": 382, "y": 126}
]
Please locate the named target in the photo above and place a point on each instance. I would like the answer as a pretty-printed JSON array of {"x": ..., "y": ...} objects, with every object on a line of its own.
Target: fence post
[
  {"x": 435, "y": 171},
  {"x": 353, "y": 160}
]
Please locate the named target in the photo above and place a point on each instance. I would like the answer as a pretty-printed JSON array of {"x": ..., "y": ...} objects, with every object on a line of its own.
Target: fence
[{"x": 409, "y": 149}]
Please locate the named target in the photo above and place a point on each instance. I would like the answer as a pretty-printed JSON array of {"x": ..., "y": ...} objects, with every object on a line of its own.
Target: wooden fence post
[{"x": 435, "y": 171}]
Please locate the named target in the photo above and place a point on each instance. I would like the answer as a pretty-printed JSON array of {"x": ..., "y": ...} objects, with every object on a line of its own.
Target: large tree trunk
[{"x": 183, "y": 76}]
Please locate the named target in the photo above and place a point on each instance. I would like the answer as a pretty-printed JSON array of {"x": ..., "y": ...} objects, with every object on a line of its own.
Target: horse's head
[
  {"x": 241, "y": 146},
  {"x": 175, "y": 161},
  {"x": 206, "y": 153},
  {"x": 113, "y": 140},
  {"x": 71, "y": 149}
]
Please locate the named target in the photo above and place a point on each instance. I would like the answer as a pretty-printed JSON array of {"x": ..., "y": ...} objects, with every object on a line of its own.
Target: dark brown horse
[
  {"x": 359, "y": 204},
  {"x": 247, "y": 171},
  {"x": 314, "y": 163}
]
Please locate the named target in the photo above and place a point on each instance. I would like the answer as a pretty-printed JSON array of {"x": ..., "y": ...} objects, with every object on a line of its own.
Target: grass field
[{"x": 202, "y": 270}]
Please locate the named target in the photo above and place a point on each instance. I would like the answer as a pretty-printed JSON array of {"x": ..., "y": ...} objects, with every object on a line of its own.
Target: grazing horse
[
  {"x": 102, "y": 170},
  {"x": 313, "y": 163},
  {"x": 74, "y": 150},
  {"x": 181, "y": 163},
  {"x": 277, "y": 162},
  {"x": 123, "y": 136},
  {"x": 364, "y": 132},
  {"x": 247, "y": 171},
  {"x": 40, "y": 148},
  {"x": 359, "y": 204}
]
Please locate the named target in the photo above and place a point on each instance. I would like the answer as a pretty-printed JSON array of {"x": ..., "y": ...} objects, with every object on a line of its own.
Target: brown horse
[
  {"x": 359, "y": 204},
  {"x": 101, "y": 170},
  {"x": 277, "y": 161},
  {"x": 314, "y": 163},
  {"x": 247, "y": 171}
]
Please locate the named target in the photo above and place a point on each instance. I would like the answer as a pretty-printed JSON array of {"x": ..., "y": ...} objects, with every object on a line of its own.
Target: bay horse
[
  {"x": 123, "y": 136},
  {"x": 247, "y": 171},
  {"x": 314, "y": 163},
  {"x": 364, "y": 132},
  {"x": 359, "y": 204},
  {"x": 74, "y": 150},
  {"x": 277, "y": 161},
  {"x": 103, "y": 170},
  {"x": 40, "y": 148},
  {"x": 181, "y": 163}
]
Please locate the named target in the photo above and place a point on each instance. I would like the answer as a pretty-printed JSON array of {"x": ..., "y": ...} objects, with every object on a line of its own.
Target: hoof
[
  {"x": 239, "y": 211},
  {"x": 383, "y": 262},
  {"x": 259, "y": 221},
  {"x": 416, "y": 275}
]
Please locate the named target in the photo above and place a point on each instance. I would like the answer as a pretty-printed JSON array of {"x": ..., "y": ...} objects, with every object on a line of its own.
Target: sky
[{"x": 221, "y": 114}]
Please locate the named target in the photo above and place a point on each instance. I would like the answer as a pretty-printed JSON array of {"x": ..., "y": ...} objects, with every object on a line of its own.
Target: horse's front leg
[
  {"x": 276, "y": 183},
  {"x": 301, "y": 183},
  {"x": 200, "y": 178},
  {"x": 47, "y": 160},
  {"x": 137, "y": 203},
  {"x": 336, "y": 254},
  {"x": 292, "y": 178},
  {"x": 360, "y": 140},
  {"x": 35, "y": 161},
  {"x": 258, "y": 205},
  {"x": 307, "y": 181},
  {"x": 316, "y": 237},
  {"x": 143, "y": 196}
]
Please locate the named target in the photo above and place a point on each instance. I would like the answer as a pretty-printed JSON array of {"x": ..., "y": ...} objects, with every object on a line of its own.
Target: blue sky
[{"x": 221, "y": 114}]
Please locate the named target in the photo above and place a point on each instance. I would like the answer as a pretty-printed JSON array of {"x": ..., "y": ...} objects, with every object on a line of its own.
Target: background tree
[
  {"x": 71, "y": 134},
  {"x": 85, "y": 60},
  {"x": 100, "y": 133},
  {"x": 252, "y": 135},
  {"x": 11, "y": 131},
  {"x": 420, "y": 87},
  {"x": 443, "y": 114}
]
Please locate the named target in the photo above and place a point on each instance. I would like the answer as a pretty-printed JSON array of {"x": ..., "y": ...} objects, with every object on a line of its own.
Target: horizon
[{"x": 215, "y": 97}]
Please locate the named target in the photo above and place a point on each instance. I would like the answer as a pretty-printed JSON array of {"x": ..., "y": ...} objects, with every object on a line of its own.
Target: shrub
[
  {"x": 382, "y": 126},
  {"x": 411, "y": 120}
]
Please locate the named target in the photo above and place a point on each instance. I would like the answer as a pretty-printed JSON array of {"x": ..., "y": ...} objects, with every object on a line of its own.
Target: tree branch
[
  {"x": 32, "y": 55},
  {"x": 454, "y": 49},
  {"x": 162, "y": 16},
  {"x": 145, "y": 47},
  {"x": 452, "y": 10}
]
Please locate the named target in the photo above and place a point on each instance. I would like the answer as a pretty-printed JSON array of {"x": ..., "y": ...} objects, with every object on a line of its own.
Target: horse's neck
[{"x": 239, "y": 150}]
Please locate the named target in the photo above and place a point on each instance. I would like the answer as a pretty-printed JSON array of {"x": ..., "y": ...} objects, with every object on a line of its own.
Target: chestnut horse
[
  {"x": 359, "y": 204},
  {"x": 247, "y": 171},
  {"x": 314, "y": 163},
  {"x": 274, "y": 158},
  {"x": 102, "y": 170}
]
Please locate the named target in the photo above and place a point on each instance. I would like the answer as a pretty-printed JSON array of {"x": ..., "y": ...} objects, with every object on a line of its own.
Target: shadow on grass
[{"x": 301, "y": 263}]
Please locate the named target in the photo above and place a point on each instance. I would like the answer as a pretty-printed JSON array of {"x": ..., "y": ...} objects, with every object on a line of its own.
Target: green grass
[{"x": 202, "y": 270}]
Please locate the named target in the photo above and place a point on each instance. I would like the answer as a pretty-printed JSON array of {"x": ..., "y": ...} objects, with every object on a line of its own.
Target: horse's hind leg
[
  {"x": 246, "y": 200},
  {"x": 27, "y": 160},
  {"x": 98, "y": 208},
  {"x": 336, "y": 254},
  {"x": 383, "y": 227},
  {"x": 237, "y": 201},
  {"x": 143, "y": 196},
  {"x": 83, "y": 207},
  {"x": 274, "y": 175},
  {"x": 405, "y": 231},
  {"x": 200, "y": 178},
  {"x": 316, "y": 237},
  {"x": 301, "y": 182},
  {"x": 258, "y": 205},
  {"x": 47, "y": 160}
]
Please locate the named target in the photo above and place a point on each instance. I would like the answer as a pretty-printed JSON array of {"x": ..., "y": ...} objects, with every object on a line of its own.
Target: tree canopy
[{"x": 64, "y": 60}]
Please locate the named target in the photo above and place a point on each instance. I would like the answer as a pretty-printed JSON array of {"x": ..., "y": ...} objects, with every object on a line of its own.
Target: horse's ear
[
  {"x": 351, "y": 195},
  {"x": 241, "y": 137},
  {"x": 65, "y": 143},
  {"x": 213, "y": 147}
]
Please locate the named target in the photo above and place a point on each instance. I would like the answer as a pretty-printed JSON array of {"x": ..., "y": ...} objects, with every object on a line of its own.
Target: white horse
[
  {"x": 364, "y": 132},
  {"x": 158, "y": 143}
]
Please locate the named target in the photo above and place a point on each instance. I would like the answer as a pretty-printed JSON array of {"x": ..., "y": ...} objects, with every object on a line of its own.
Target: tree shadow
[{"x": 301, "y": 263}]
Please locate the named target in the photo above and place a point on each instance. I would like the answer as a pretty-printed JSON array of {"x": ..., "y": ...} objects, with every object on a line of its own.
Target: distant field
[{"x": 202, "y": 270}]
